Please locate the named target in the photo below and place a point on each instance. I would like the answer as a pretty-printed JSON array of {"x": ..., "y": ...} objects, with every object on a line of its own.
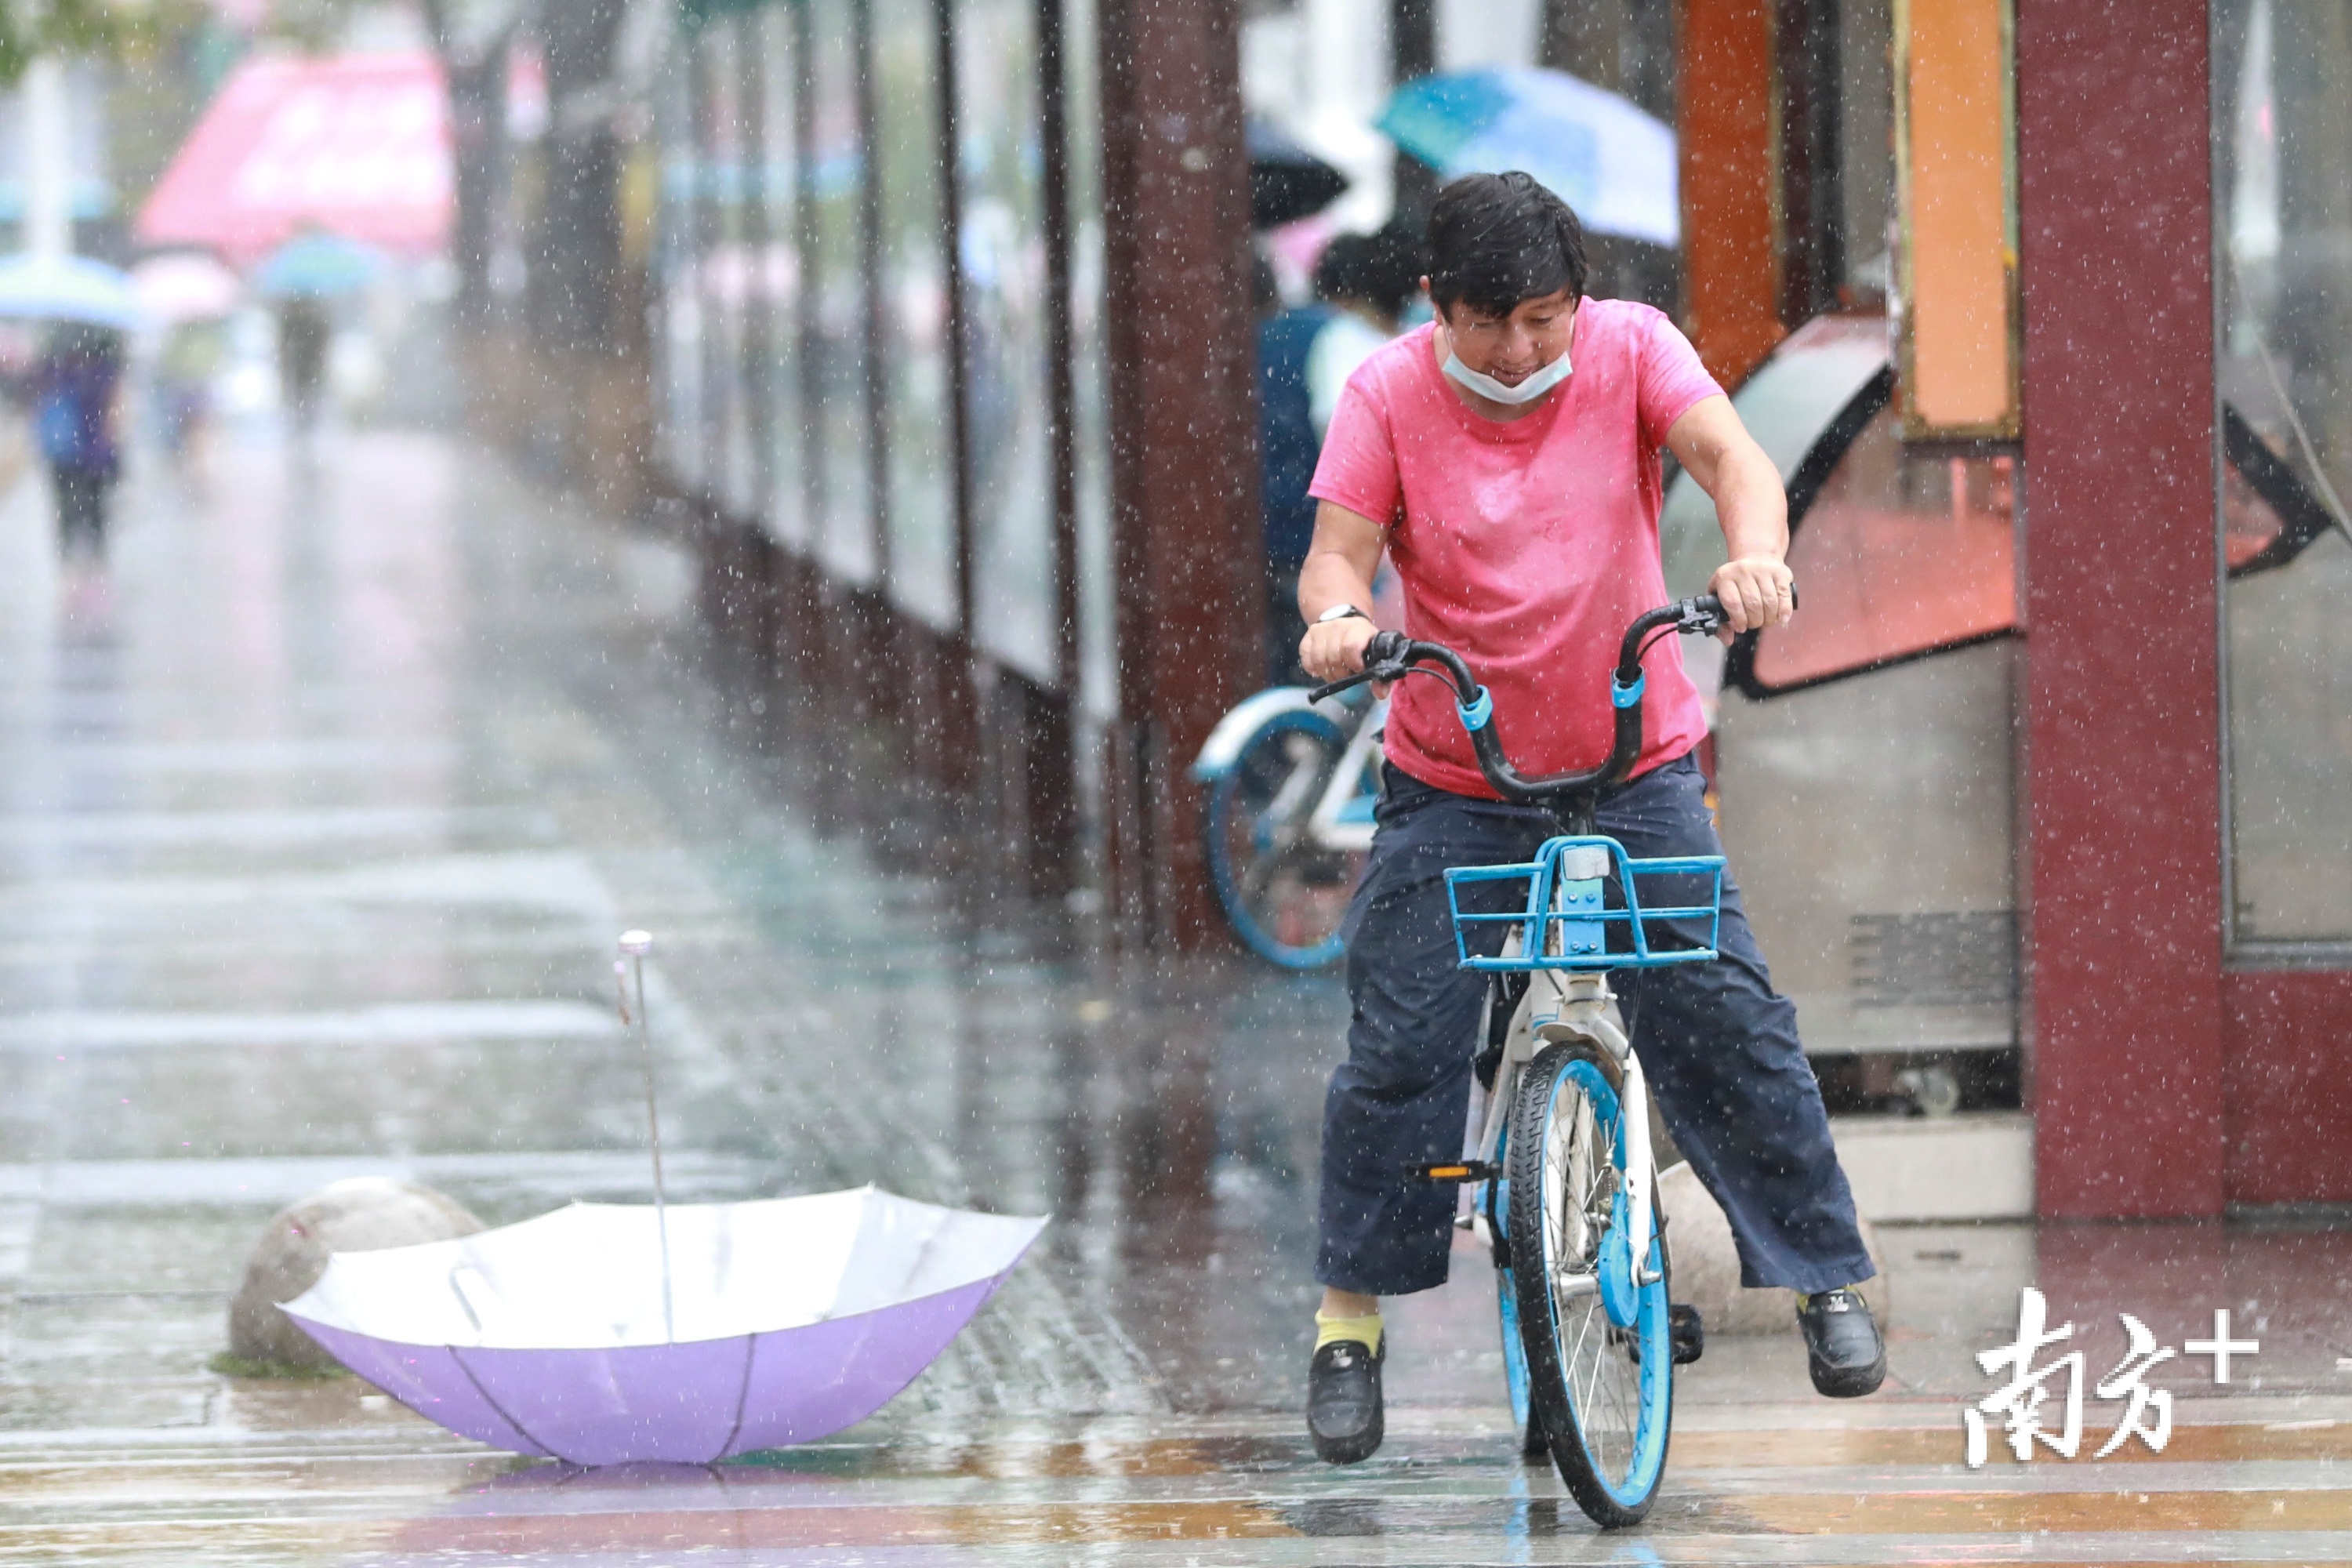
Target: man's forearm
[
  {"x": 1330, "y": 578},
  {"x": 1753, "y": 509}
]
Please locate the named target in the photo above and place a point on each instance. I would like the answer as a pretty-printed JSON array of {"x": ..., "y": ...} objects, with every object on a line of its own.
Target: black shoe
[
  {"x": 1343, "y": 1401},
  {"x": 1842, "y": 1349},
  {"x": 1687, "y": 1332}
]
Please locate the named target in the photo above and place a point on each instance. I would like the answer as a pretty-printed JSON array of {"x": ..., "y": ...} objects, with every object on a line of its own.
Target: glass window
[
  {"x": 1898, "y": 549},
  {"x": 678, "y": 298},
  {"x": 727, "y": 273},
  {"x": 1089, "y": 362},
  {"x": 921, "y": 505},
  {"x": 834, "y": 177},
  {"x": 2282, "y": 74},
  {"x": 1001, "y": 173},
  {"x": 780, "y": 192},
  {"x": 1865, "y": 149},
  {"x": 1902, "y": 551}
]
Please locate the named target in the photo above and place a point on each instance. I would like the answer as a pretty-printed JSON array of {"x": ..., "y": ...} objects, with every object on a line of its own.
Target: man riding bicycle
[{"x": 1518, "y": 500}]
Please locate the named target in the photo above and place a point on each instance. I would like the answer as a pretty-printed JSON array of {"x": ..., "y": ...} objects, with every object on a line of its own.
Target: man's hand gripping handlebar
[{"x": 1392, "y": 656}]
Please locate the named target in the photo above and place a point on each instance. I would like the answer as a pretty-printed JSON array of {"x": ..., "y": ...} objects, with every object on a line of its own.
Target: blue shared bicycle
[
  {"x": 1288, "y": 818},
  {"x": 1561, "y": 1176}
]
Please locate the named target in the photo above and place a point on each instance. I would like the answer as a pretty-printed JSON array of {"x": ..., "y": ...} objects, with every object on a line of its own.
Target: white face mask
[{"x": 1487, "y": 386}]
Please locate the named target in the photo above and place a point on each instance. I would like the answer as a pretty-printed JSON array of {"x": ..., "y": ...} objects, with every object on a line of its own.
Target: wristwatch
[{"x": 1341, "y": 613}]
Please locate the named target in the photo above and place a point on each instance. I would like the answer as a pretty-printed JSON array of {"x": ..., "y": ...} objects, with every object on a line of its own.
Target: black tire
[{"x": 1612, "y": 1456}]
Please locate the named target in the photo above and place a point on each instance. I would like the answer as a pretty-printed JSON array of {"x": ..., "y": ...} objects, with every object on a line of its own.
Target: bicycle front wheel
[
  {"x": 1283, "y": 893},
  {"x": 1603, "y": 1388}
]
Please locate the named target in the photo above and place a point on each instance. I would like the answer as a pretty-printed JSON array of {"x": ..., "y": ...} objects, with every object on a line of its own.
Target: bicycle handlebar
[{"x": 1391, "y": 656}]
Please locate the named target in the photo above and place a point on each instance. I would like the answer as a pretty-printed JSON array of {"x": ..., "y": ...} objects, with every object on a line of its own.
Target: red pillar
[
  {"x": 2122, "y": 767},
  {"x": 1191, "y": 556}
]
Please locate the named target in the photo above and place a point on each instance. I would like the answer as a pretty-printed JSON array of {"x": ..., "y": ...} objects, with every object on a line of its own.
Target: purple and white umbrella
[{"x": 783, "y": 1320}]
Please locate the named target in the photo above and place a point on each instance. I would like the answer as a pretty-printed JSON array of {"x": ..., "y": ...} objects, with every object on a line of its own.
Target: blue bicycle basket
[{"x": 1572, "y": 930}]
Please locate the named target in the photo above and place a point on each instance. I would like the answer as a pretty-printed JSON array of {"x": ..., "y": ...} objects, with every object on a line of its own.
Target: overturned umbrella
[
  {"x": 796, "y": 1317},
  {"x": 605, "y": 1334}
]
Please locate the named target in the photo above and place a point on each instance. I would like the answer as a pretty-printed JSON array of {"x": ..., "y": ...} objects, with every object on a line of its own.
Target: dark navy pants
[{"x": 1718, "y": 1043}]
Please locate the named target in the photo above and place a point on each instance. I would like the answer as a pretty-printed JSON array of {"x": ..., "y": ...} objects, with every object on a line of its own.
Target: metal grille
[{"x": 1954, "y": 958}]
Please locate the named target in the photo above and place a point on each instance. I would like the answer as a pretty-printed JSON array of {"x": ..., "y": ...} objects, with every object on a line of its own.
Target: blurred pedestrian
[
  {"x": 1289, "y": 445},
  {"x": 1369, "y": 280},
  {"x": 74, "y": 395},
  {"x": 304, "y": 336},
  {"x": 182, "y": 388}
]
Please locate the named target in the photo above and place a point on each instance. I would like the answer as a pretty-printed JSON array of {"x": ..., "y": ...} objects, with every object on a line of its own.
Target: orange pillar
[{"x": 1731, "y": 220}]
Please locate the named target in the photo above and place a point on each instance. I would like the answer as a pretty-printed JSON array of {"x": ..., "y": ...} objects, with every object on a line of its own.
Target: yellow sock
[{"x": 1364, "y": 1331}]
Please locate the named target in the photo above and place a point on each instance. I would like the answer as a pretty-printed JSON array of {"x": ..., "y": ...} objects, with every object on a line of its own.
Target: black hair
[
  {"x": 1498, "y": 240},
  {"x": 1381, "y": 269},
  {"x": 85, "y": 341},
  {"x": 1339, "y": 270}
]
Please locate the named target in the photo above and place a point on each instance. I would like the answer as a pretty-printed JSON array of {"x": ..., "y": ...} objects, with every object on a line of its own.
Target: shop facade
[{"x": 2044, "y": 309}]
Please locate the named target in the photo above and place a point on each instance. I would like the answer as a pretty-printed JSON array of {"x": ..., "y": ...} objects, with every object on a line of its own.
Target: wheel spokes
[{"x": 1599, "y": 1365}]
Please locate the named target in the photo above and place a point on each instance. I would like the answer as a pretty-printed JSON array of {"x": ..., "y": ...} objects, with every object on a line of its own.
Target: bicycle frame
[
  {"x": 1566, "y": 1005},
  {"x": 1343, "y": 817}
]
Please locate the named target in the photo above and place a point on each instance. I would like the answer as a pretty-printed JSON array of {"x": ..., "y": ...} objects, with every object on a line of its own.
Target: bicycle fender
[{"x": 1234, "y": 730}]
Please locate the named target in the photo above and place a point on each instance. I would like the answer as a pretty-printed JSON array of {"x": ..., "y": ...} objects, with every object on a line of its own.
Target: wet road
[{"x": 318, "y": 812}]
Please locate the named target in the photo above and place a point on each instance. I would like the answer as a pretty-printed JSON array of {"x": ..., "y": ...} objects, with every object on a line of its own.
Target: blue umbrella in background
[
  {"x": 68, "y": 288},
  {"x": 1606, "y": 158},
  {"x": 318, "y": 266}
]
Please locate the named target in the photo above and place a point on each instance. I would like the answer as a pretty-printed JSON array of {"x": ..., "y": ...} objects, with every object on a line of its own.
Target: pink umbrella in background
[{"x": 355, "y": 145}]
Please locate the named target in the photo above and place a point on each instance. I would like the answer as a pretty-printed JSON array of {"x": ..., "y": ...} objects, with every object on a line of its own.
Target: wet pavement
[{"x": 318, "y": 812}]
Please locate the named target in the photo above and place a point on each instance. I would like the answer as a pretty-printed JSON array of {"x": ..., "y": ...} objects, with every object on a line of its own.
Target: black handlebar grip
[
  {"x": 1385, "y": 648},
  {"x": 1705, "y": 612}
]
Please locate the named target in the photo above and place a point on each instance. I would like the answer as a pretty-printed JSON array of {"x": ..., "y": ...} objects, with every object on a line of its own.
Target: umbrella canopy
[
  {"x": 68, "y": 288},
  {"x": 1611, "y": 162},
  {"x": 184, "y": 288},
  {"x": 318, "y": 266},
  {"x": 1287, "y": 182},
  {"x": 785, "y": 1320}
]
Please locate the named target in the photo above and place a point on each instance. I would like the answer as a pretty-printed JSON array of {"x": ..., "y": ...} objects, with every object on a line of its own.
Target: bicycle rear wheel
[
  {"x": 1283, "y": 893},
  {"x": 1602, "y": 1389}
]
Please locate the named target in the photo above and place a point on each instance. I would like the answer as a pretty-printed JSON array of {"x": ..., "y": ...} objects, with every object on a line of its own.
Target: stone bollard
[
  {"x": 1706, "y": 1267},
  {"x": 361, "y": 1214}
]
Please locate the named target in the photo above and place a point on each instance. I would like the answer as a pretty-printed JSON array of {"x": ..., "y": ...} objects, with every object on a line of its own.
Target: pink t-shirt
[{"x": 1527, "y": 546}]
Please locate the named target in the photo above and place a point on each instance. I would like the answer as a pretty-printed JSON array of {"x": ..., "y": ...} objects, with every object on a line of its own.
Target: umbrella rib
[
  {"x": 504, "y": 1414},
  {"x": 743, "y": 1396}
]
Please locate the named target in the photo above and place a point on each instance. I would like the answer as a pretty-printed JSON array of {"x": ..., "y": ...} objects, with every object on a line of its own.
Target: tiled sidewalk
[{"x": 319, "y": 814}]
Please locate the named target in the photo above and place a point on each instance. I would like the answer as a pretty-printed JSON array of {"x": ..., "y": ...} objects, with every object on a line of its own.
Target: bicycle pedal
[
  {"x": 1687, "y": 1333},
  {"x": 1454, "y": 1171}
]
